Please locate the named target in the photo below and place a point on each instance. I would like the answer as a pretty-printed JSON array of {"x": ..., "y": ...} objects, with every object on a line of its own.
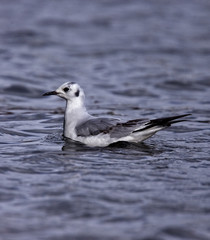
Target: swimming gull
[{"x": 80, "y": 126}]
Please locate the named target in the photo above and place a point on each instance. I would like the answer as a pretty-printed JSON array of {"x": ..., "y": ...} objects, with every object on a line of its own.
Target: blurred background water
[{"x": 148, "y": 58}]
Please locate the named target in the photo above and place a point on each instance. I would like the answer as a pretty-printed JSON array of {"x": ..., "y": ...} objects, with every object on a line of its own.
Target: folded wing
[
  {"x": 117, "y": 129},
  {"x": 95, "y": 126},
  {"x": 111, "y": 126}
]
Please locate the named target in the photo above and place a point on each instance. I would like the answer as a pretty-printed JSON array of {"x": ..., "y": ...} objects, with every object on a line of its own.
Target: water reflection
[{"x": 122, "y": 147}]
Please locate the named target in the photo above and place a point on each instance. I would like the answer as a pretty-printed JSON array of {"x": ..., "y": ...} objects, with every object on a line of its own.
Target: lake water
[{"x": 134, "y": 59}]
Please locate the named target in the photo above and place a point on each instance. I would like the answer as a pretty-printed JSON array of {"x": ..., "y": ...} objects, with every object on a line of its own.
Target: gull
[{"x": 92, "y": 131}]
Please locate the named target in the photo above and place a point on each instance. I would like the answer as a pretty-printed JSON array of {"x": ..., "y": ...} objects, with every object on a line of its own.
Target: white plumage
[{"x": 80, "y": 126}]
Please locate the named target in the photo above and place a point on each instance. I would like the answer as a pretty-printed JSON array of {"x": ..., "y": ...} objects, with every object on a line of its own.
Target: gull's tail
[{"x": 162, "y": 122}]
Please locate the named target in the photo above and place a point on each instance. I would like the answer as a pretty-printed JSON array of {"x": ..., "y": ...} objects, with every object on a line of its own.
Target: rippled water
[{"x": 134, "y": 59}]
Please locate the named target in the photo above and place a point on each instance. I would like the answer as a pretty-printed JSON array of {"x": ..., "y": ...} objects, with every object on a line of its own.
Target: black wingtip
[
  {"x": 168, "y": 120},
  {"x": 179, "y": 120},
  {"x": 164, "y": 122}
]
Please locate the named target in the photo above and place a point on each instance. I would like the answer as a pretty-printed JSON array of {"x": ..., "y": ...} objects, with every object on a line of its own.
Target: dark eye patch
[
  {"x": 77, "y": 93},
  {"x": 66, "y": 89}
]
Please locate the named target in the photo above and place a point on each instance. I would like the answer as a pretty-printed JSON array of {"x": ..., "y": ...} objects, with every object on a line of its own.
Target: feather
[{"x": 114, "y": 127}]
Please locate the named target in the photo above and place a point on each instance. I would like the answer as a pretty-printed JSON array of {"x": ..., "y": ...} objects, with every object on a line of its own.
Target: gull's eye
[{"x": 66, "y": 89}]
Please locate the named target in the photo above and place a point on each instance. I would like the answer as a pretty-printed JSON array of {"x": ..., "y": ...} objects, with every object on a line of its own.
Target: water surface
[{"x": 134, "y": 59}]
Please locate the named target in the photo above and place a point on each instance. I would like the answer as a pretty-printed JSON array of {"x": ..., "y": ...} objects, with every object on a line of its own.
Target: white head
[{"x": 70, "y": 91}]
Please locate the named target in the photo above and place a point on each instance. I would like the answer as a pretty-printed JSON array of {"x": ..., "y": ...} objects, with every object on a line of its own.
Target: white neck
[
  {"x": 75, "y": 114},
  {"x": 77, "y": 103}
]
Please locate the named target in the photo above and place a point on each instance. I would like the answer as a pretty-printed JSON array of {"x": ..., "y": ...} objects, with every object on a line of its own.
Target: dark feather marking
[
  {"x": 162, "y": 122},
  {"x": 115, "y": 128},
  {"x": 77, "y": 93},
  {"x": 105, "y": 125}
]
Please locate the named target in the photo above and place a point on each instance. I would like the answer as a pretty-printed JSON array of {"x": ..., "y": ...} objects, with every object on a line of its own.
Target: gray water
[{"x": 134, "y": 59}]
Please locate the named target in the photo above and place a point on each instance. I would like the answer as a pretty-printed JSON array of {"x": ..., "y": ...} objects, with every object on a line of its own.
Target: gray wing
[
  {"x": 140, "y": 125},
  {"x": 95, "y": 126},
  {"x": 123, "y": 129},
  {"x": 118, "y": 129},
  {"x": 112, "y": 126}
]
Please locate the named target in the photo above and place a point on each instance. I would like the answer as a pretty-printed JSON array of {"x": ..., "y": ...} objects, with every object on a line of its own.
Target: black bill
[{"x": 50, "y": 93}]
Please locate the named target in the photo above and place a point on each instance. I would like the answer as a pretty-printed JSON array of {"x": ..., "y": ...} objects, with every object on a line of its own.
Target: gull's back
[
  {"x": 95, "y": 126},
  {"x": 114, "y": 127}
]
